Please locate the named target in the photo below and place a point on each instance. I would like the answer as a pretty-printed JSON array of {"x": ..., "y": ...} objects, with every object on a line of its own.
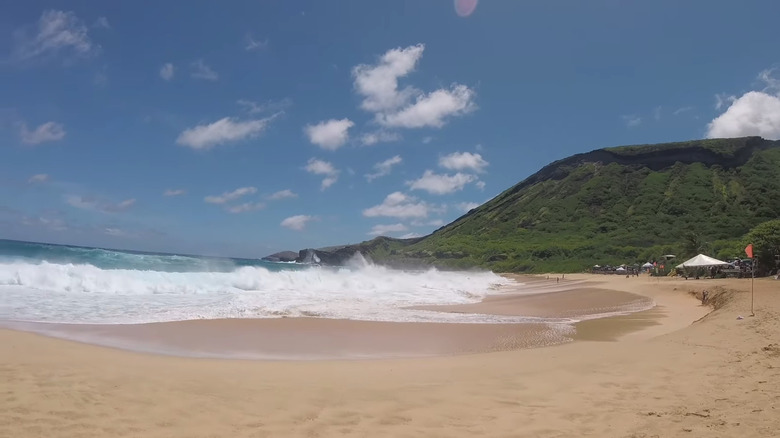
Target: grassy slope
[{"x": 613, "y": 205}]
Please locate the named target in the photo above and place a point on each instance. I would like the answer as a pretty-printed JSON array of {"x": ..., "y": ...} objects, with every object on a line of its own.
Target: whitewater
[{"x": 65, "y": 284}]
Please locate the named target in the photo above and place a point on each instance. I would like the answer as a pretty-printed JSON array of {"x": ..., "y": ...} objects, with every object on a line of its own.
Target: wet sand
[
  {"x": 556, "y": 304},
  {"x": 684, "y": 374}
]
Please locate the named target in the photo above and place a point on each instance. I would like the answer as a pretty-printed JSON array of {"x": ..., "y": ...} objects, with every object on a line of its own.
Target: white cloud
[
  {"x": 58, "y": 32},
  {"x": 772, "y": 83},
  {"x": 400, "y": 206},
  {"x": 467, "y": 206},
  {"x": 167, "y": 71},
  {"x": 282, "y": 194},
  {"x": 297, "y": 223},
  {"x": 203, "y": 71},
  {"x": 657, "y": 113},
  {"x": 372, "y": 138},
  {"x": 102, "y": 23},
  {"x": 754, "y": 113},
  {"x": 174, "y": 192},
  {"x": 723, "y": 99},
  {"x": 253, "y": 44},
  {"x": 437, "y": 184},
  {"x": 247, "y": 206},
  {"x": 39, "y": 178},
  {"x": 632, "y": 120},
  {"x": 230, "y": 196},
  {"x": 97, "y": 204},
  {"x": 684, "y": 109},
  {"x": 49, "y": 131},
  {"x": 480, "y": 185},
  {"x": 427, "y": 139},
  {"x": 320, "y": 167},
  {"x": 383, "y": 230},
  {"x": 384, "y": 168},
  {"x": 222, "y": 131},
  {"x": 378, "y": 84},
  {"x": 253, "y": 107},
  {"x": 463, "y": 161},
  {"x": 411, "y": 235},
  {"x": 432, "y": 109},
  {"x": 330, "y": 134},
  {"x": 407, "y": 107},
  {"x": 433, "y": 223}
]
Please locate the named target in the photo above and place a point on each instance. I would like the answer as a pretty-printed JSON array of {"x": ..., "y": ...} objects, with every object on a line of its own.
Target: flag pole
[
  {"x": 752, "y": 278},
  {"x": 749, "y": 253}
]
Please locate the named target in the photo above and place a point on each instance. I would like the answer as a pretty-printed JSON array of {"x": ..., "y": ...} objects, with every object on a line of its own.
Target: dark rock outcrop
[{"x": 284, "y": 256}]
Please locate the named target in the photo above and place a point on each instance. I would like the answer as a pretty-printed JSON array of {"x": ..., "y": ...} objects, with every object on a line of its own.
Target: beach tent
[
  {"x": 647, "y": 265},
  {"x": 701, "y": 261}
]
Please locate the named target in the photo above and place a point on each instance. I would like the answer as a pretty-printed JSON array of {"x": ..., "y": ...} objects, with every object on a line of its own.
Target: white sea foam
[{"x": 82, "y": 293}]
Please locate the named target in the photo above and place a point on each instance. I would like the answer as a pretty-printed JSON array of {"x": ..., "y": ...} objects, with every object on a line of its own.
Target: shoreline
[
  {"x": 552, "y": 313},
  {"x": 658, "y": 381}
]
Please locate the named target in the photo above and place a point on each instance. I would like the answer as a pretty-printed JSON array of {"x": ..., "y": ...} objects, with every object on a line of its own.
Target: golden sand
[{"x": 665, "y": 375}]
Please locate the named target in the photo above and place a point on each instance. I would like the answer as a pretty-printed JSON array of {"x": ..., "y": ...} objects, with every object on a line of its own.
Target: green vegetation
[
  {"x": 611, "y": 206},
  {"x": 765, "y": 238}
]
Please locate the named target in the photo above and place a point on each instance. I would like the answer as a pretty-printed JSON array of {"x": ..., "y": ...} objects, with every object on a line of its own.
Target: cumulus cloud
[
  {"x": 463, "y": 161},
  {"x": 200, "y": 70},
  {"x": 167, "y": 71},
  {"x": 39, "y": 178},
  {"x": 378, "y": 84},
  {"x": 49, "y": 131},
  {"x": 320, "y": 167},
  {"x": 297, "y": 223},
  {"x": 384, "y": 168},
  {"x": 247, "y": 206},
  {"x": 174, "y": 192},
  {"x": 226, "y": 130},
  {"x": 97, "y": 204},
  {"x": 230, "y": 196},
  {"x": 411, "y": 235},
  {"x": 282, "y": 194},
  {"x": 330, "y": 134},
  {"x": 754, "y": 113},
  {"x": 58, "y": 32},
  {"x": 432, "y": 109},
  {"x": 399, "y": 205},
  {"x": 407, "y": 107},
  {"x": 467, "y": 206},
  {"x": 438, "y": 184},
  {"x": 383, "y": 230},
  {"x": 372, "y": 138}
]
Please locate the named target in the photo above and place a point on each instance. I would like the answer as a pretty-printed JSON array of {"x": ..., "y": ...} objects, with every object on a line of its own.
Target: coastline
[
  {"x": 547, "y": 312},
  {"x": 667, "y": 379}
]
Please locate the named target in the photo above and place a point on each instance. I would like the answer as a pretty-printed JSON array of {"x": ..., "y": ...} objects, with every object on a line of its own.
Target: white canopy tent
[
  {"x": 701, "y": 261},
  {"x": 647, "y": 265}
]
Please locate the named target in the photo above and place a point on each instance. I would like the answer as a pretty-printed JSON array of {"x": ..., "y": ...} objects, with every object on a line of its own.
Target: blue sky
[{"x": 247, "y": 127}]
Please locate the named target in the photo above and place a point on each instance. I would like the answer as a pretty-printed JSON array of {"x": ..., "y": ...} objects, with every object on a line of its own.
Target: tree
[
  {"x": 693, "y": 244},
  {"x": 765, "y": 238}
]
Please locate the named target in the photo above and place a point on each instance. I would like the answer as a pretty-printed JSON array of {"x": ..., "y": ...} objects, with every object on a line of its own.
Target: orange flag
[{"x": 749, "y": 250}]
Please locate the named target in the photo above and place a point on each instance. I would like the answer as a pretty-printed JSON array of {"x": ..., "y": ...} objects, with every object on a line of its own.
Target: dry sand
[{"x": 666, "y": 375}]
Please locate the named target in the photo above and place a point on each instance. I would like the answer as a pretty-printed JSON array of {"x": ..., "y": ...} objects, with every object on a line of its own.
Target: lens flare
[{"x": 464, "y": 8}]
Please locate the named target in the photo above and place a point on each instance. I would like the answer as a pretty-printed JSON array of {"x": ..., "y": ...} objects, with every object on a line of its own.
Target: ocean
[{"x": 78, "y": 285}]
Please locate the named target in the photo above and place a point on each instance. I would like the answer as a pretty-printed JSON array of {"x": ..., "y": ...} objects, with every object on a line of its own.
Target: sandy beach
[{"x": 679, "y": 369}]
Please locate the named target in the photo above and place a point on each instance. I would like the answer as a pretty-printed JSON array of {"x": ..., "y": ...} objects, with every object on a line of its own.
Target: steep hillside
[{"x": 611, "y": 205}]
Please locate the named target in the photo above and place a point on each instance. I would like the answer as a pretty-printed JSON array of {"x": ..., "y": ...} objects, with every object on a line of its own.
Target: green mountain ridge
[{"x": 614, "y": 205}]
